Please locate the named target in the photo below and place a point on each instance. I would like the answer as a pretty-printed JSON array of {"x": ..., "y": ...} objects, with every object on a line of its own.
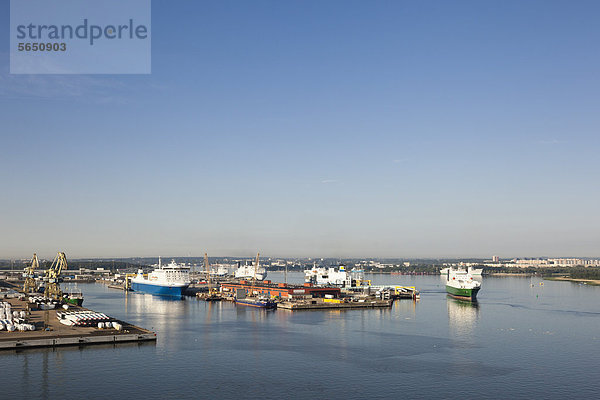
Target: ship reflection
[
  {"x": 462, "y": 317},
  {"x": 163, "y": 315}
]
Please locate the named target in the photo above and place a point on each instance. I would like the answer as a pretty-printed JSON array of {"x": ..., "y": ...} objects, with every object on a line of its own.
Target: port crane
[
  {"x": 207, "y": 270},
  {"x": 213, "y": 293},
  {"x": 255, "y": 268},
  {"x": 254, "y": 276},
  {"x": 30, "y": 285},
  {"x": 53, "y": 277}
]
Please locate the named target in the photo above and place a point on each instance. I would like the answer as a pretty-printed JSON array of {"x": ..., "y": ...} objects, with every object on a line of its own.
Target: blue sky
[{"x": 311, "y": 128}]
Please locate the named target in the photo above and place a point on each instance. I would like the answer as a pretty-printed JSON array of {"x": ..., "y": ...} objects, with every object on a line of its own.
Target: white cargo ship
[
  {"x": 170, "y": 280},
  {"x": 334, "y": 277},
  {"x": 251, "y": 271},
  {"x": 460, "y": 284}
]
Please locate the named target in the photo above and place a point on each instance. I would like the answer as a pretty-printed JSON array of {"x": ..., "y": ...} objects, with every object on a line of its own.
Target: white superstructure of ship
[
  {"x": 330, "y": 276},
  {"x": 470, "y": 270},
  {"x": 220, "y": 269},
  {"x": 251, "y": 271},
  {"x": 475, "y": 271}
]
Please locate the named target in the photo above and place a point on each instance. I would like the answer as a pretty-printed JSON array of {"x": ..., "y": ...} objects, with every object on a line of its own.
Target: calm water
[{"x": 518, "y": 342}]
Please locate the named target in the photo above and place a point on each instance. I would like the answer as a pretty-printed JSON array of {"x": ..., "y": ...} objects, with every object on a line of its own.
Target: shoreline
[{"x": 592, "y": 282}]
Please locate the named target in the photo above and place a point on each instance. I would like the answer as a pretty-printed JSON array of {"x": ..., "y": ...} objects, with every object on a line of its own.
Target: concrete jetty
[
  {"x": 51, "y": 333},
  {"x": 335, "y": 304}
]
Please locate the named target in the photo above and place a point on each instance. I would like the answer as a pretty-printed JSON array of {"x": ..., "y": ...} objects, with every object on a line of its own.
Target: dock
[
  {"x": 333, "y": 304},
  {"x": 51, "y": 333}
]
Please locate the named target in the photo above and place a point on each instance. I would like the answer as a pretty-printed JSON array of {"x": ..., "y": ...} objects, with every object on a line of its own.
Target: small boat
[
  {"x": 210, "y": 296},
  {"x": 460, "y": 284},
  {"x": 257, "y": 302}
]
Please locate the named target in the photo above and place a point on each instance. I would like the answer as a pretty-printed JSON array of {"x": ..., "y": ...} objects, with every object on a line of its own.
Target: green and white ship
[
  {"x": 460, "y": 284},
  {"x": 74, "y": 298}
]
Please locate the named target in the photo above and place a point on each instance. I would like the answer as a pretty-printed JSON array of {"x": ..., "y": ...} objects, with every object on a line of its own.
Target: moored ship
[
  {"x": 255, "y": 271},
  {"x": 74, "y": 298},
  {"x": 460, "y": 284},
  {"x": 331, "y": 277},
  {"x": 328, "y": 276},
  {"x": 256, "y": 302},
  {"x": 170, "y": 280}
]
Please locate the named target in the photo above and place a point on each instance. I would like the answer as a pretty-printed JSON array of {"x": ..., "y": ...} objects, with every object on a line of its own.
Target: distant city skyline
[{"x": 325, "y": 129}]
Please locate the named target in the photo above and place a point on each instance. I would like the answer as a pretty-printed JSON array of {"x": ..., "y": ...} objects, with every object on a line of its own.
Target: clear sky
[{"x": 316, "y": 128}]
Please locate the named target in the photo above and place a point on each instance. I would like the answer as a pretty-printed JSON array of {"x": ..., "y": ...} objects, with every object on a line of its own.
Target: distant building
[
  {"x": 531, "y": 262},
  {"x": 572, "y": 262},
  {"x": 495, "y": 259}
]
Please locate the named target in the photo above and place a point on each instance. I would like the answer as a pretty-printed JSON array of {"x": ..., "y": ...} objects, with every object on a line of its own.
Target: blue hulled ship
[{"x": 170, "y": 280}]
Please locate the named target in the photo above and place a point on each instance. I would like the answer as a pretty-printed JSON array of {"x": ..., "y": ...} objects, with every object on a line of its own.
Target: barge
[
  {"x": 256, "y": 302},
  {"x": 336, "y": 304}
]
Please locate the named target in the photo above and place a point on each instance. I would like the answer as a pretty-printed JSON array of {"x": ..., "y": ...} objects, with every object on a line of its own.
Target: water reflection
[
  {"x": 163, "y": 315},
  {"x": 405, "y": 308},
  {"x": 462, "y": 317}
]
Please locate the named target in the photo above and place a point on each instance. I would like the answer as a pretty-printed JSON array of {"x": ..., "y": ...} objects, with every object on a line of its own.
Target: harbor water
[{"x": 521, "y": 340}]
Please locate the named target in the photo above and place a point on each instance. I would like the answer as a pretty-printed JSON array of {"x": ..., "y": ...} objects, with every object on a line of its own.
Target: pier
[
  {"x": 333, "y": 304},
  {"x": 51, "y": 333},
  {"x": 280, "y": 290}
]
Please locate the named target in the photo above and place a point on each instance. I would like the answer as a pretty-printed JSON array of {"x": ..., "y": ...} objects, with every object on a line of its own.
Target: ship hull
[
  {"x": 258, "y": 277},
  {"x": 256, "y": 303},
  {"x": 77, "y": 301},
  {"x": 463, "y": 293},
  {"x": 159, "y": 290}
]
